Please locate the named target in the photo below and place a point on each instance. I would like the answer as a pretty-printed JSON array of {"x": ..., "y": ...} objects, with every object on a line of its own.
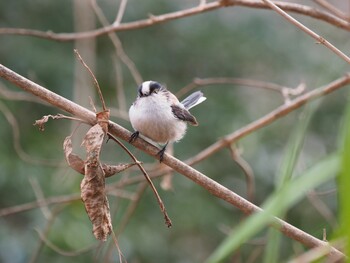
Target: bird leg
[
  {"x": 161, "y": 152},
  {"x": 134, "y": 136}
]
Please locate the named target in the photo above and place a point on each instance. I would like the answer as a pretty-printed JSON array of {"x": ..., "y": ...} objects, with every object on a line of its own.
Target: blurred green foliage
[{"x": 229, "y": 42}]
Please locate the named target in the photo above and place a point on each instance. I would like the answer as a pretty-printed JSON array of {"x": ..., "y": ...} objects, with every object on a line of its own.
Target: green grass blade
[
  {"x": 344, "y": 183},
  {"x": 284, "y": 174},
  {"x": 291, "y": 193}
]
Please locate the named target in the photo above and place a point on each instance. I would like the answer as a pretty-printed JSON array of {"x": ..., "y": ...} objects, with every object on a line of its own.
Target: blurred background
[{"x": 232, "y": 42}]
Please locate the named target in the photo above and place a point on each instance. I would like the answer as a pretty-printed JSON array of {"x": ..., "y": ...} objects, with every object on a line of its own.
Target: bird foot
[
  {"x": 134, "y": 136},
  {"x": 161, "y": 153}
]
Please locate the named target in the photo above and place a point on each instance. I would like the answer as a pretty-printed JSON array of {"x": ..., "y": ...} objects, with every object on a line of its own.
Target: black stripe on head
[
  {"x": 139, "y": 90},
  {"x": 154, "y": 87}
]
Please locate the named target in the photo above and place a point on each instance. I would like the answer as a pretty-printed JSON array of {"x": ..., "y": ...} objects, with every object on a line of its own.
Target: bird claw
[
  {"x": 161, "y": 153},
  {"x": 134, "y": 136}
]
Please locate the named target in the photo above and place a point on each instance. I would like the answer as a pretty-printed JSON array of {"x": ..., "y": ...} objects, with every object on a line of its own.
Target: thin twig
[
  {"x": 116, "y": 243},
  {"x": 291, "y": 7},
  {"x": 307, "y": 30},
  {"x": 17, "y": 144},
  {"x": 64, "y": 252},
  {"x": 247, "y": 170},
  {"x": 19, "y": 96},
  {"x": 270, "y": 117},
  {"x": 131, "y": 208},
  {"x": 121, "y": 12},
  {"x": 50, "y": 221},
  {"x": 326, "y": 192},
  {"x": 119, "y": 87},
  {"x": 31, "y": 205},
  {"x": 117, "y": 44},
  {"x": 331, "y": 8},
  {"x": 160, "y": 202},
  {"x": 322, "y": 208},
  {"x": 200, "y": 82},
  {"x": 63, "y": 199},
  {"x": 40, "y": 196},
  {"x": 316, "y": 253},
  {"x": 94, "y": 79}
]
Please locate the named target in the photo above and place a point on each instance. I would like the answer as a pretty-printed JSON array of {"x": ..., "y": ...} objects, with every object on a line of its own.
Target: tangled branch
[{"x": 199, "y": 178}]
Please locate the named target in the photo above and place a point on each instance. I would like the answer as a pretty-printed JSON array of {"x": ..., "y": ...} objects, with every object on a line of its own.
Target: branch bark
[
  {"x": 210, "y": 185},
  {"x": 270, "y": 117},
  {"x": 308, "y": 31},
  {"x": 152, "y": 20}
]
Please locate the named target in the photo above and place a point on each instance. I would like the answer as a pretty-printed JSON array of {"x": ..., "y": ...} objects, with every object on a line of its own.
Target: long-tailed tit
[{"x": 158, "y": 115}]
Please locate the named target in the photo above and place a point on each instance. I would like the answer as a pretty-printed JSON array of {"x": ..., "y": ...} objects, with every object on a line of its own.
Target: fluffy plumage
[{"x": 158, "y": 115}]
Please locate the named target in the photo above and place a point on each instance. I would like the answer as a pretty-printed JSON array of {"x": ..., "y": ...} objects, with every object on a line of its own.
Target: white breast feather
[{"x": 152, "y": 116}]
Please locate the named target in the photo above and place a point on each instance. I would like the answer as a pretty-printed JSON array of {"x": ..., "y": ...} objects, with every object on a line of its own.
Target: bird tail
[{"x": 193, "y": 100}]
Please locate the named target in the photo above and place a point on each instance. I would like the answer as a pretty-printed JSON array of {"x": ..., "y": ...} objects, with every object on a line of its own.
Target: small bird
[{"x": 158, "y": 115}]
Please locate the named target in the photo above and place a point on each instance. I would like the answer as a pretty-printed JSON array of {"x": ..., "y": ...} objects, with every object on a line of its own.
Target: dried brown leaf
[
  {"x": 111, "y": 170},
  {"x": 93, "y": 185},
  {"x": 102, "y": 119},
  {"x": 41, "y": 123},
  {"x": 74, "y": 161}
]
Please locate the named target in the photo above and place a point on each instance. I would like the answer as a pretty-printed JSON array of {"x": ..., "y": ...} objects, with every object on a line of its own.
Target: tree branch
[
  {"x": 308, "y": 31},
  {"x": 209, "y": 184},
  {"x": 202, "y": 8},
  {"x": 274, "y": 115}
]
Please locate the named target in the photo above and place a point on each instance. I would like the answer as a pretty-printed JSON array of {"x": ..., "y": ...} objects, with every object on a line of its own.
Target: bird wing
[{"x": 184, "y": 115}]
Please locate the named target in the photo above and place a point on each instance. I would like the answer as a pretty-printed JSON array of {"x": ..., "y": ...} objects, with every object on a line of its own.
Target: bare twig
[
  {"x": 131, "y": 208},
  {"x": 247, "y": 170},
  {"x": 209, "y": 184},
  {"x": 291, "y": 7},
  {"x": 160, "y": 202},
  {"x": 326, "y": 192},
  {"x": 64, "y": 252},
  {"x": 270, "y": 117},
  {"x": 317, "y": 253},
  {"x": 62, "y": 199},
  {"x": 16, "y": 140},
  {"x": 331, "y": 8},
  {"x": 116, "y": 243},
  {"x": 307, "y": 30},
  {"x": 117, "y": 44},
  {"x": 46, "y": 230},
  {"x": 31, "y": 205},
  {"x": 120, "y": 90},
  {"x": 121, "y": 12},
  {"x": 285, "y": 92},
  {"x": 40, "y": 196},
  {"x": 93, "y": 78},
  {"x": 322, "y": 208},
  {"x": 19, "y": 96}
]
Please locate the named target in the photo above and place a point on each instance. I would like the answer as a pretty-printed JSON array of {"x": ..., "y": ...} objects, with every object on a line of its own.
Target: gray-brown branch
[{"x": 156, "y": 19}]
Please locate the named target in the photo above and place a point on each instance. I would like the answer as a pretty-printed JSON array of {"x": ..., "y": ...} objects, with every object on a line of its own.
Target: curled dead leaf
[
  {"x": 102, "y": 119},
  {"x": 41, "y": 123},
  {"x": 76, "y": 163},
  {"x": 93, "y": 185}
]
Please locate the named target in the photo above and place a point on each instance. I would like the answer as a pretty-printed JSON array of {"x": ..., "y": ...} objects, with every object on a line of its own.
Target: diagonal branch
[
  {"x": 308, "y": 31},
  {"x": 202, "y": 8},
  {"x": 209, "y": 184},
  {"x": 274, "y": 115}
]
